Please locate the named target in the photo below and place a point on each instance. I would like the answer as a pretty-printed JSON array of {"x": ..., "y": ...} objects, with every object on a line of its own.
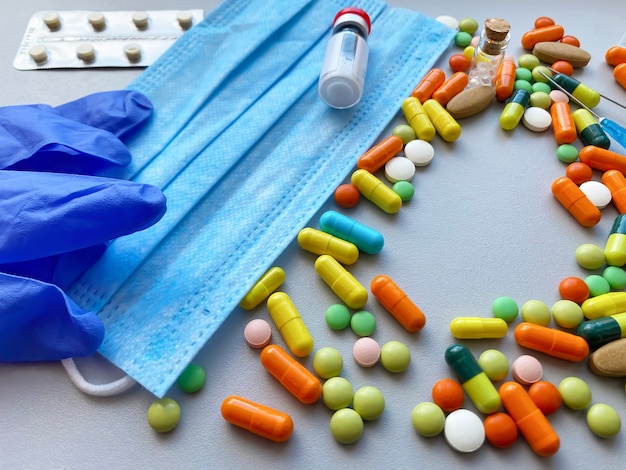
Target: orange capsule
[
  {"x": 531, "y": 422},
  {"x": 602, "y": 159},
  {"x": 563, "y": 124},
  {"x": 552, "y": 32},
  {"x": 505, "y": 80},
  {"x": 576, "y": 202},
  {"x": 615, "y": 55},
  {"x": 258, "y": 419},
  {"x": 398, "y": 303},
  {"x": 291, "y": 374},
  {"x": 619, "y": 73},
  {"x": 616, "y": 182},
  {"x": 374, "y": 159},
  {"x": 555, "y": 343},
  {"x": 450, "y": 88},
  {"x": 431, "y": 81}
]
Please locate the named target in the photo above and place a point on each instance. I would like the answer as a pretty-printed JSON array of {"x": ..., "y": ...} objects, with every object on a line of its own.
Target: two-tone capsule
[
  {"x": 341, "y": 282},
  {"x": 363, "y": 237},
  {"x": 290, "y": 324},
  {"x": 478, "y": 328},
  {"x": 603, "y": 330},
  {"x": 555, "y": 343},
  {"x": 581, "y": 92},
  {"x": 321, "y": 243},
  {"x": 604, "y": 305},
  {"x": 514, "y": 109},
  {"x": 259, "y": 419},
  {"x": 374, "y": 190},
  {"x": 398, "y": 303},
  {"x": 615, "y": 247},
  {"x": 588, "y": 129},
  {"x": 268, "y": 283}
]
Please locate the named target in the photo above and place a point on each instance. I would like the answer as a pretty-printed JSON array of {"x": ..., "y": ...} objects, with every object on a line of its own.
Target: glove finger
[
  {"x": 44, "y": 214},
  {"x": 38, "y": 322},
  {"x": 119, "y": 111}
]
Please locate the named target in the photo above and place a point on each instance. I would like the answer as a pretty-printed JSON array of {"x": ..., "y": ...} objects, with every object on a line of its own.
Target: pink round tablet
[
  {"x": 527, "y": 370},
  {"x": 366, "y": 351},
  {"x": 257, "y": 333},
  {"x": 558, "y": 96}
]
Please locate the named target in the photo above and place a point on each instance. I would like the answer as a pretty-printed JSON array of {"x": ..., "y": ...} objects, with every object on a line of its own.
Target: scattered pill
[
  {"x": 524, "y": 75},
  {"x": 395, "y": 356},
  {"x": 163, "y": 415},
  {"x": 537, "y": 312},
  {"x": 399, "y": 169},
  {"x": 52, "y": 20},
  {"x": 376, "y": 157},
  {"x": 347, "y": 195},
  {"x": 449, "y": 21},
  {"x": 38, "y": 53},
  {"x": 368, "y": 402},
  {"x": 540, "y": 73},
  {"x": 464, "y": 431},
  {"x": 448, "y": 395},
  {"x": 610, "y": 359},
  {"x": 446, "y": 126},
  {"x": 527, "y": 369},
  {"x": 542, "y": 87},
  {"x": 96, "y": 20},
  {"x": 469, "y": 25},
  {"x": 471, "y": 101},
  {"x": 478, "y": 328},
  {"x": 366, "y": 352},
  {"x": 513, "y": 110},
  {"x": 416, "y": 116},
  {"x": 185, "y": 19},
  {"x": 505, "y": 308},
  {"x": 616, "y": 182},
  {"x": 597, "y": 285},
  {"x": 266, "y": 285},
  {"x": 546, "y": 396},
  {"x": 543, "y": 21},
  {"x": 404, "y": 189},
  {"x": 597, "y": 193},
  {"x": 527, "y": 61},
  {"x": 425, "y": 88},
  {"x": 337, "y": 316},
  {"x": 615, "y": 276},
  {"x": 327, "y": 362},
  {"x": 140, "y": 19},
  {"x": 557, "y": 96},
  {"x": 398, "y": 303},
  {"x": 363, "y": 323},
  {"x": 569, "y": 39},
  {"x": 500, "y": 430},
  {"x": 322, "y": 243},
  {"x": 550, "y": 341},
  {"x": 574, "y": 288},
  {"x": 365, "y": 238},
  {"x": 567, "y": 313},
  {"x": 590, "y": 256},
  {"x": 603, "y": 420},
  {"x": 346, "y": 426},
  {"x": 575, "y": 393},
  {"x": 459, "y": 63},
  {"x": 540, "y": 99},
  {"x": 601, "y": 331},
  {"x": 578, "y": 172},
  {"x": 86, "y": 52},
  {"x": 574, "y": 201},
  {"x": 604, "y": 305},
  {"x": 258, "y": 333},
  {"x": 287, "y": 319},
  {"x": 341, "y": 282},
  {"x": 615, "y": 247},
  {"x": 375, "y": 191},
  {"x": 428, "y": 419},
  {"x": 420, "y": 152},
  {"x": 494, "y": 363},
  {"x": 337, "y": 393},
  {"x": 536, "y": 119},
  {"x": 133, "y": 52},
  {"x": 256, "y": 418},
  {"x": 549, "y": 52},
  {"x": 192, "y": 379},
  {"x": 404, "y": 132},
  {"x": 564, "y": 67}
]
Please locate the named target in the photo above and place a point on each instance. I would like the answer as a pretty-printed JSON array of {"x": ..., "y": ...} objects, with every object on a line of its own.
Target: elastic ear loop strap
[{"x": 98, "y": 390}]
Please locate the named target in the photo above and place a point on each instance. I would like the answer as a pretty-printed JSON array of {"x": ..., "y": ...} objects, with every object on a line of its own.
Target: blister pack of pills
[{"x": 87, "y": 39}]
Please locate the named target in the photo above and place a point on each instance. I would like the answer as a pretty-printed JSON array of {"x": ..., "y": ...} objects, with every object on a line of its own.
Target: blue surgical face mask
[{"x": 246, "y": 153}]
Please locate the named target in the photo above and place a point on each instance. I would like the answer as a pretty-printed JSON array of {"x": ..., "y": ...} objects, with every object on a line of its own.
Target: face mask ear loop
[{"x": 98, "y": 390}]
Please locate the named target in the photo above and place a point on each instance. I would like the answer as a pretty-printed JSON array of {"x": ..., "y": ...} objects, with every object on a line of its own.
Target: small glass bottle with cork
[{"x": 489, "y": 53}]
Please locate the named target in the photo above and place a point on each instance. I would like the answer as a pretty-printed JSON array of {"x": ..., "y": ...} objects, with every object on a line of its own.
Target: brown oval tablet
[
  {"x": 470, "y": 101},
  {"x": 610, "y": 359},
  {"x": 550, "y": 52}
]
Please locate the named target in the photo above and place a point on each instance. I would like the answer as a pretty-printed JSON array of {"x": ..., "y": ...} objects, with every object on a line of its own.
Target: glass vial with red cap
[{"x": 343, "y": 71}]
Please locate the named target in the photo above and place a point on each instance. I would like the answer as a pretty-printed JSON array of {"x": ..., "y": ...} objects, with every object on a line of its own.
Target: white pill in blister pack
[{"x": 87, "y": 39}]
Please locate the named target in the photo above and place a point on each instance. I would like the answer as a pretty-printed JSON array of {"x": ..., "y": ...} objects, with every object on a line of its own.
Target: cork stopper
[{"x": 496, "y": 29}]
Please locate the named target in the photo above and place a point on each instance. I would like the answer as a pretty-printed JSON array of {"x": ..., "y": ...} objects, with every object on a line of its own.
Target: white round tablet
[
  {"x": 97, "y": 20},
  {"x": 464, "y": 431},
  {"x": 420, "y": 152},
  {"x": 133, "y": 52},
  {"x": 86, "y": 52},
  {"x": 597, "y": 193},
  {"x": 38, "y": 53},
  {"x": 185, "y": 19},
  {"x": 399, "y": 169},
  {"x": 449, "y": 21},
  {"x": 537, "y": 119},
  {"x": 140, "y": 18}
]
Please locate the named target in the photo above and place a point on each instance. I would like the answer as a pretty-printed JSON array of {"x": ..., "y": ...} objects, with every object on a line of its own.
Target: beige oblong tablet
[
  {"x": 470, "y": 101},
  {"x": 610, "y": 359},
  {"x": 550, "y": 52}
]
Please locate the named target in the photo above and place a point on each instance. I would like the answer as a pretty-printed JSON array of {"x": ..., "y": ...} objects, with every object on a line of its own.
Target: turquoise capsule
[
  {"x": 341, "y": 226},
  {"x": 582, "y": 93},
  {"x": 514, "y": 109}
]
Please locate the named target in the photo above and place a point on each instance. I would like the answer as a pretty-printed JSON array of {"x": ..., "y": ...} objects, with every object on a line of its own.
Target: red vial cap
[{"x": 354, "y": 11}]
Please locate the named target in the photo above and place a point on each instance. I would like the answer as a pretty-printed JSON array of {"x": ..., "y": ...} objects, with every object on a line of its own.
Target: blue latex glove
[{"x": 54, "y": 224}]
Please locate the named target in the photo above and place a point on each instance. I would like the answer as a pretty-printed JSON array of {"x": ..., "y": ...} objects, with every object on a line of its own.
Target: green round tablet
[
  {"x": 597, "y": 284},
  {"x": 337, "y": 316},
  {"x": 337, "y": 393},
  {"x": 538, "y": 71},
  {"x": 405, "y": 132},
  {"x": 327, "y": 362},
  {"x": 505, "y": 308},
  {"x": 525, "y": 74},
  {"x": 192, "y": 378},
  {"x": 542, "y": 87},
  {"x": 615, "y": 276},
  {"x": 395, "y": 356},
  {"x": 567, "y": 314},
  {"x": 363, "y": 323},
  {"x": 428, "y": 419},
  {"x": 469, "y": 25},
  {"x": 567, "y": 153},
  {"x": 494, "y": 364},
  {"x": 537, "y": 312},
  {"x": 539, "y": 99},
  {"x": 404, "y": 189},
  {"x": 346, "y": 426},
  {"x": 462, "y": 39},
  {"x": 575, "y": 393},
  {"x": 369, "y": 402},
  {"x": 528, "y": 61},
  {"x": 163, "y": 415},
  {"x": 590, "y": 256},
  {"x": 522, "y": 85},
  {"x": 603, "y": 420}
]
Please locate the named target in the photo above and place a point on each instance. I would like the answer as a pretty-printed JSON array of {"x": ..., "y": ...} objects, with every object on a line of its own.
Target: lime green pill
[
  {"x": 567, "y": 153},
  {"x": 337, "y": 316},
  {"x": 590, "y": 256},
  {"x": 404, "y": 189},
  {"x": 603, "y": 420},
  {"x": 540, "y": 99},
  {"x": 192, "y": 378},
  {"x": 346, "y": 426},
  {"x": 468, "y": 25},
  {"x": 337, "y": 393},
  {"x": 494, "y": 364},
  {"x": 597, "y": 284},
  {"x": 428, "y": 419},
  {"x": 163, "y": 415},
  {"x": 523, "y": 85},
  {"x": 525, "y": 74},
  {"x": 395, "y": 356},
  {"x": 405, "y": 132},
  {"x": 575, "y": 393},
  {"x": 615, "y": 276},
  {"x": 369, "y": 402},
  {"x": 541, "y": 86},
  {"x": 363, "y": 323},
  {"x": 567, "y": 313},
  {"x": 528, "y": 61},
  {"x": 462, "y": 39},
  {"x": 537, "y": 312},
  {"x": 505, "y": 308},
  {"x": 538, "y": 71},
  {"x": 327, "y": 362}
]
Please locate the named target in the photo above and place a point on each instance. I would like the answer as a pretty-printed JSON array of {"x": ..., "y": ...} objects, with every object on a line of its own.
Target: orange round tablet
[
  {"x": 579, "y": 172},
  {"x": 546, "y": 396},
  {"x": 564, "y": 67},
  {"x": 347, "y": 195},
  {"x": 500, "y": 430},
  {"x": 571, "y": 40},
  {"x": 543, "y": 21},
  {"x": 448, "y": 395},
  {"x": 574, "y": 288},
  {"x": 459, "y": 63}
]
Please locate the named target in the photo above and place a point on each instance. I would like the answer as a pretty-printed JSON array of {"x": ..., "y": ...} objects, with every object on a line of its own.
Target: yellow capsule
[
  {"x": 418, "y": 119},
  {"x": 446, "y": 126},
  {"x": 322, "y": 243},
  {"x": 268, "y": 283},
  {"x": 376, "y": 191},
  {"x": 478, "y": 328},
  {"x": 604, "y": 305},
  {"x": 341, "y": 282},
  {"x": 290, "y": 325}
]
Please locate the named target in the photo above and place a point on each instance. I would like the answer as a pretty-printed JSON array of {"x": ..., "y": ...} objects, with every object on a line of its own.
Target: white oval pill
[
  {"x": 464, "y": 431},
  {"x": 420, "y": 152},
  {"x": 537, "y": 119},
  {"x": 38, "y": 54},
  {"x": 449, "y": 21},
  {"x": 597, "y": 193},
  {"x": 399, "y": 169},
  {"x": 86, "y": 52},
  {"x": 559, "y": 96}
]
